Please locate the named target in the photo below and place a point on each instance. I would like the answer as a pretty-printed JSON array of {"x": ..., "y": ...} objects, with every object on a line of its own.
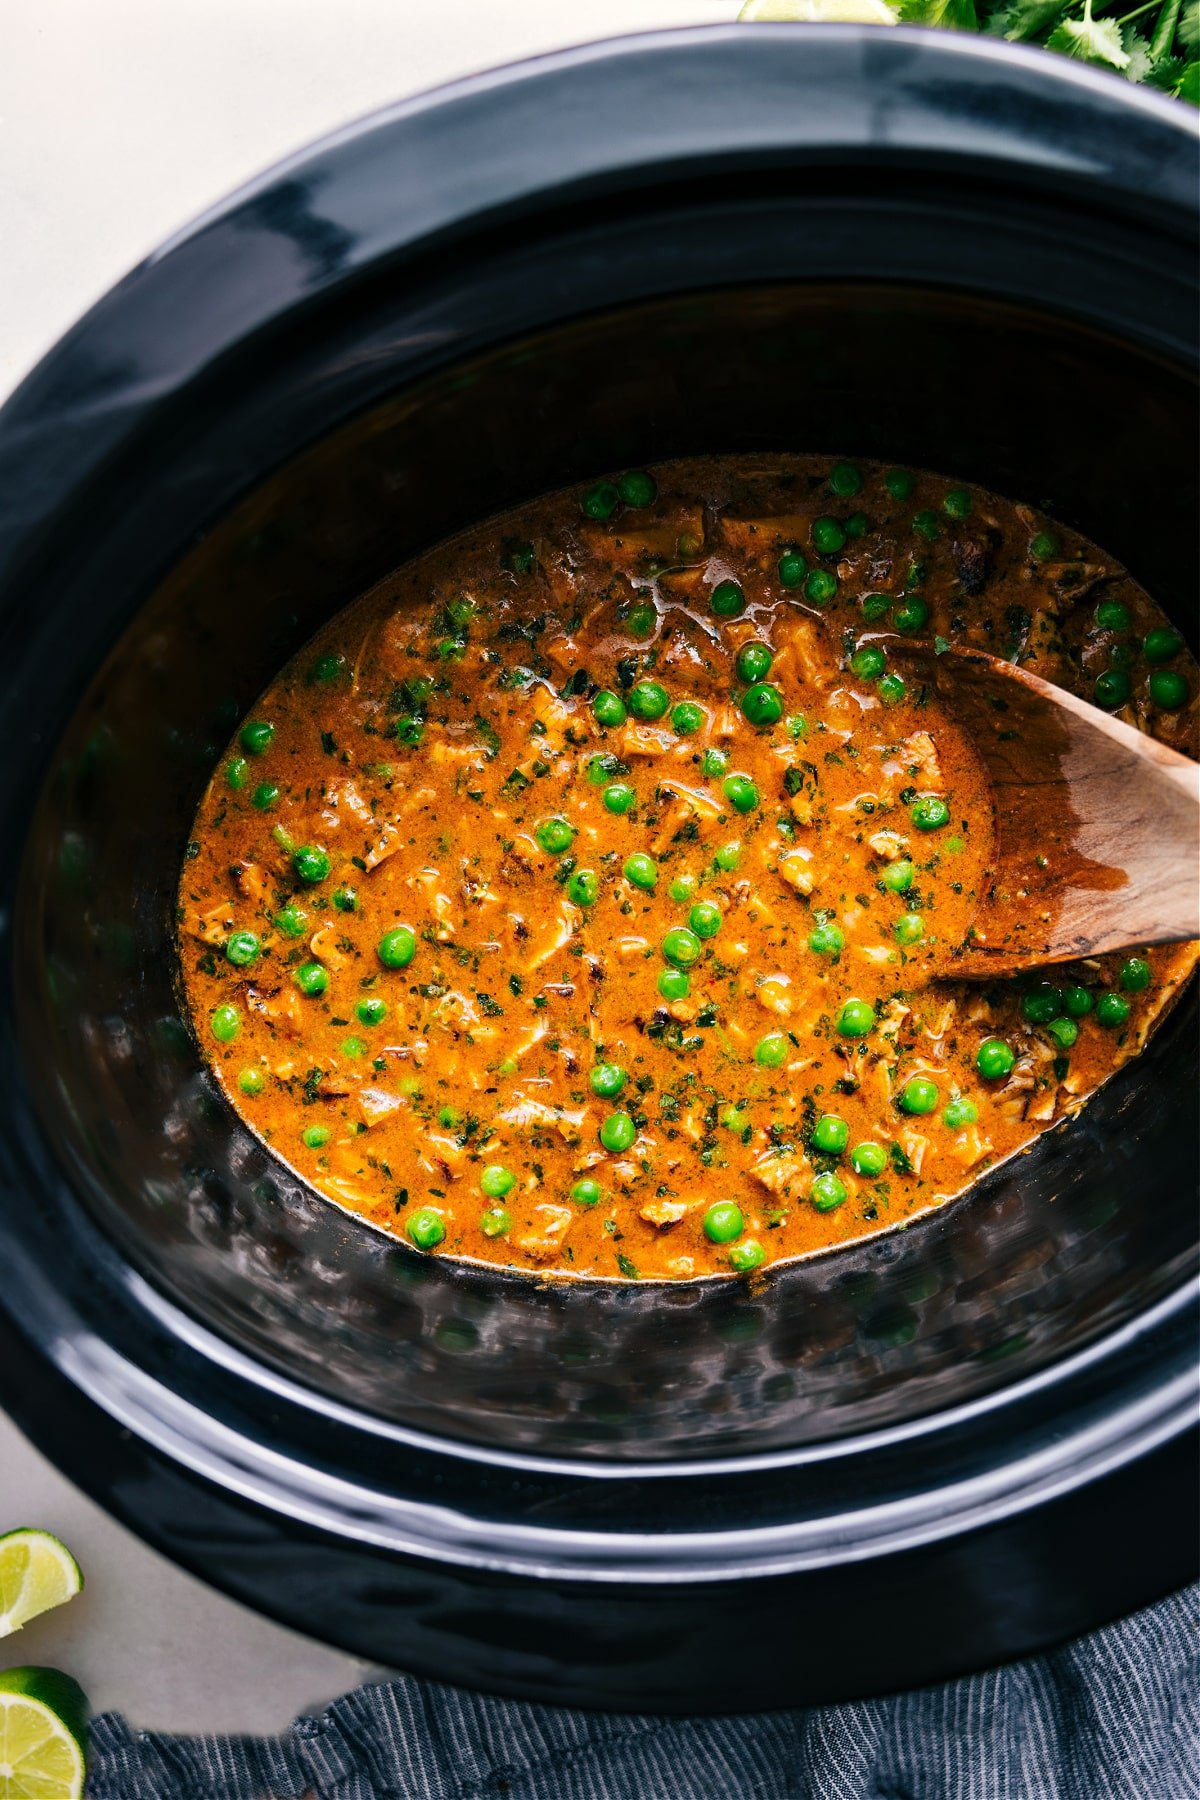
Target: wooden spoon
[{"x": 1097, "y": 825}]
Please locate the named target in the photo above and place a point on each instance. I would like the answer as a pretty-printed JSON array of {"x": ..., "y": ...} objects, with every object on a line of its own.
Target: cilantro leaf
[
  {"x": 1189, "y": 26},
  {"x": 954, "y": 15},
  {"x": 1090, "y": 40},
  {"x": 1189, "y": 84},
  {"x": 1141, "y": 60},
  {"x": 1026, "y": 19}
]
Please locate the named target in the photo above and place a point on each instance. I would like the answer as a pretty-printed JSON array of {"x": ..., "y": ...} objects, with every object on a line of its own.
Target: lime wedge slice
[
  {"x": 36, "y": 1573},
  {"x": 43, "y": 1735},
  {"x": 821, "y": 12}
]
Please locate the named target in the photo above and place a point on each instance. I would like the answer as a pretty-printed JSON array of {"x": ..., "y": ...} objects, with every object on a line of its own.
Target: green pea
[
  {"x": 856, "y": 1019},
  {"x": 994, "y": 1059},
  {"x": 687, "y": 718},
  {"x": 345, "y": 899},
  {"x": 256, "y": 737},
  {"x": 827, "y": 1191},
  {"x": 746, "y": 1256},
  {"x": 830, "y": 1135},
  {"x": 619, "y": 797},
  {"x": 682, "y": 887},
  {"x": 705, "y": 919},
  {"x": 754, "y": 662},
  {"x": 820, "y": 586},
  {"x": 1041, "y": 1003},
  {"x": 587, "y": 1192},
  {"x": 609, "y": 708},
  {"x": 1077, "y": 1001},
  {"x": 353, "y": 1046},
  {"x": 252, "y": 1082},
  {"x": 396, "y": 948},
  {"x": 1043, "y": 546},
  {"x": 618, "y": 1132},
  {"x": 876, "y": 606},
  {"x": 556, "y": 835},
  {"x": 637, "y": 488},
  {"x": 311, "y": 978},
  {"x": 892, "y": 689},
  {"x": 425, "y": 1228},
  {"x": 1161, "y": 644},
  {"x": 797, "y": 725},
  {"x": 225, "y": 1022},
  {"x": 868, "y": 1159},
  {"x": 601, "y": 500},
  {"x": 740, "y": 792},
  {"x": 642, "y": 870},
  {"x": 496, "y": 1181},
  {"x": 673, "y": 984},
  {"x": 370, "y": 1010},
  {"x": 772, "y": 1051},
  {"x": 642, "y": 621},
  {"x": 648, "y": 700},
  {"x": 326, "y": 668},
  {"x": 496, "y": 1222},
  {"x": 583, "y": 889},
  {"x": 1063, "y": 1031},
  {"x": 450, "y": 649},
  {"x": 911, "y": 616},
  {"x": 918, "y": 1095},
  {"x": 827, "y": 940},
  {"x": 792, "y": 569},
  {"x": 519, "y": 559},
  {"x": 762, "y": 704},
  {"x": 856, "y": 525},
  {"x": 1134, "y": 975},
  {"x": 957, "y": 504},
  {"x": 828, "y": 537},
  {"x": 1112, "y": 689},
  {"x": 1168, "y": 689},
  {"x": 869, "y": 662},
  {"x": 310, "y": 865},
  {"x": 960, "y": 1112},
  {"x": 607, "y": 1080},
  {"x": 315, "y": 1137},
  {"x": 681, "y": 947},
  {"x": 1112, "y": 1010},
  {"x": 728, "y": 857},
  {"x": 292, "y": 921},
  {"x": 929, "y": 813},
  {"x": 909, "y": 928},
  {"x": 242, "y": 949},
  {"x": 237, "y": 772},
  {"x": 899, "y": 484},
  {"x": 460, "y": 612},
  {"x": 927, "y": 524},
  {"x": 1113, "y": 615},
  {"x": 727, "y": 600},
  {"x": 408, "y": 729},
  {"x": 714, "y": 762},
  {"x": 897, "y": 878},
  {"x": 723, "y": 1222},
  {"x": 845, "y": 480}
]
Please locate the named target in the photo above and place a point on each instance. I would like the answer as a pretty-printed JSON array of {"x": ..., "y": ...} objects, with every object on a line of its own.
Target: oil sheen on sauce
[{"x": 585, "y": 898}]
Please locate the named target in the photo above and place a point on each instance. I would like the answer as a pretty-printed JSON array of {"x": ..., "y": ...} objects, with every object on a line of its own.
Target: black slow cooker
[{"x": 951, "y": 1445}]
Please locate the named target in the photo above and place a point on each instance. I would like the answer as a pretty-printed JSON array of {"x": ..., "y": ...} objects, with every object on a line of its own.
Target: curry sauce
[{"x": 586, "y": 898}]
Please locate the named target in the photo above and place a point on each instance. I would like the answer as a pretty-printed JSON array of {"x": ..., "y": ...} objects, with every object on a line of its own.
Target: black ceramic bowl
[{"x": 944, "y": 1447}]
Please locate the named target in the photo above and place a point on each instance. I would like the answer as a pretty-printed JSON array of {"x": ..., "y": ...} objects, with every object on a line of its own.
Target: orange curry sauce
[{"x": 585, "y": 898}]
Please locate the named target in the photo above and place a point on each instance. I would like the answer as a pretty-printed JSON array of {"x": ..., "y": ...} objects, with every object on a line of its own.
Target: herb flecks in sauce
[{"x": 601, "y": 917}]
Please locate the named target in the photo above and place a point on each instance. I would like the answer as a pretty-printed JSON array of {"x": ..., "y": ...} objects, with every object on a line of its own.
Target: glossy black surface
[{"x": 890, "y": 245}]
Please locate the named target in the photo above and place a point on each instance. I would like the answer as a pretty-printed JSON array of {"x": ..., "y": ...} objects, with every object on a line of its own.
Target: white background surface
[{"x": 119, "y": 120}]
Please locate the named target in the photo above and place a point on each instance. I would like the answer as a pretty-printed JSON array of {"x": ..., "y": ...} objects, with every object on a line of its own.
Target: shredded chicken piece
[
  {"x": 215, "y": 925},
  {"x": 921, "y": 750},
  {"x": 376, "y": 1105},
  {"x": 252, "y": 882},
  {"x": 778, "y": 1174},
  {"x": 644, "y": 740},
  {"x": 324, "y": 946},
  {"x": 385, "y": 845},
  {"x": 890, "y": 846},
  {"x": 663, "y": 1212},
  {"x": 284, "y": 1010},
  {"x": 545, "y": 1242},
  {"x": 797, "y": 870},
  {"x": 525, "y": 1112},
  {"x": 914, "y": 1147}
]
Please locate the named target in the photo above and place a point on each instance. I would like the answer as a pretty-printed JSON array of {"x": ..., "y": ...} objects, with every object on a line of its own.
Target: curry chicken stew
[{"x": 585, "y": 899}]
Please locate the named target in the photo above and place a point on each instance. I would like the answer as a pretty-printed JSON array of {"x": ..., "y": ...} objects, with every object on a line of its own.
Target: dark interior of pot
[{"x": 1065, "y": 1243}]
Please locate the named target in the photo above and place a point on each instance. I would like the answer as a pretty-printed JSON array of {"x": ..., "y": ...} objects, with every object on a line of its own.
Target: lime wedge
[
  {"x": 43, "y": 1735},
  {"x": 821, "y": 12},
  {"x": 36, "y": 1573}
]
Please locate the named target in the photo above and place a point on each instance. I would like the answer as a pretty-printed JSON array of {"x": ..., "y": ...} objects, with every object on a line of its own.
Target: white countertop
[{"x": 120, "y": 120}]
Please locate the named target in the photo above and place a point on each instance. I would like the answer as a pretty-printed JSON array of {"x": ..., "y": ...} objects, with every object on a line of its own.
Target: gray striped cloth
[{"x": 1114, "y": 1716}]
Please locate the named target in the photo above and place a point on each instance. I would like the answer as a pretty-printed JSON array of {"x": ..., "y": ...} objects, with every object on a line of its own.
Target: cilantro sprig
[{"x": 1157, "y": 43}]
